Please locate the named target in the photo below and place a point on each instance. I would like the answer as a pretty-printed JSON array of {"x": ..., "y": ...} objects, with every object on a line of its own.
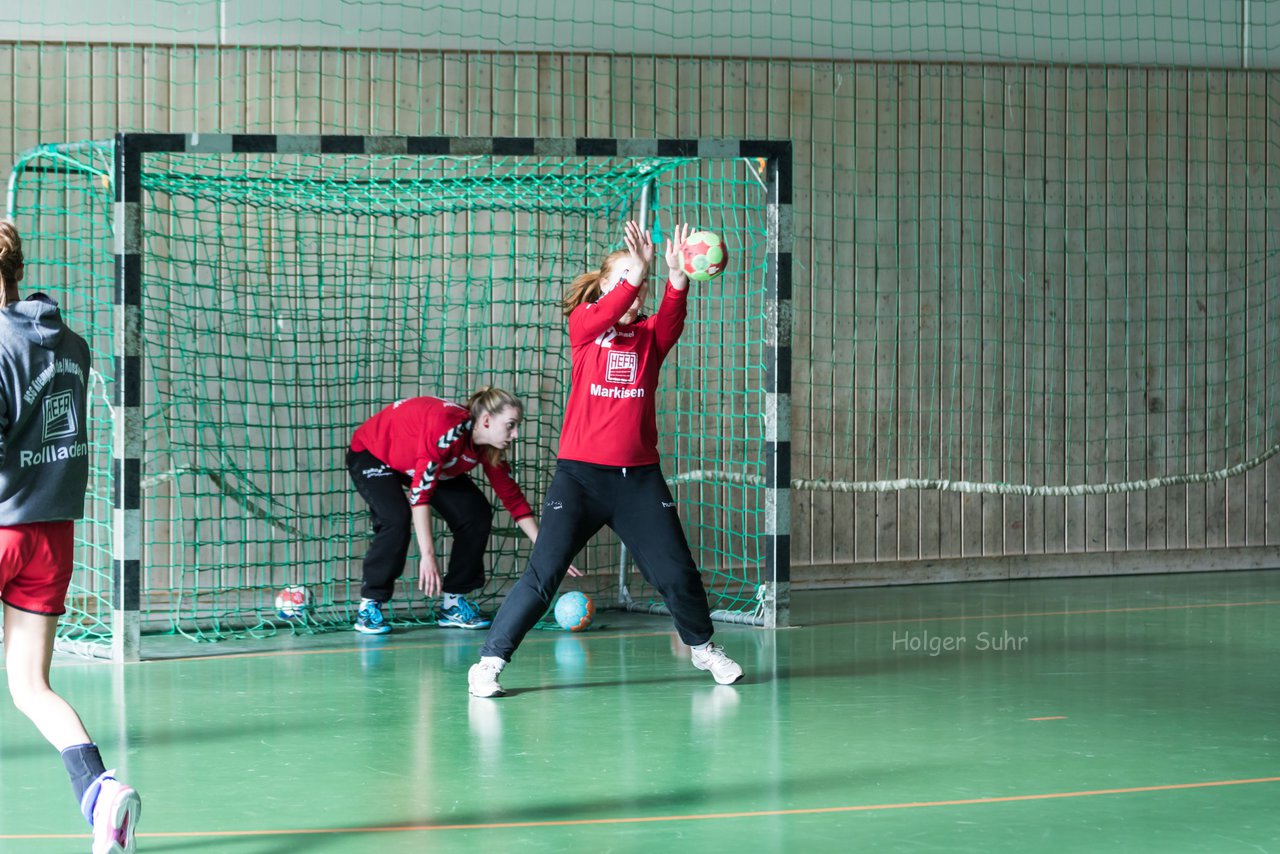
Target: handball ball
[
  {"x": 292, "y": 603},
  {"x": 705, "y": 256},
  {"x": 574, "y": 611}
]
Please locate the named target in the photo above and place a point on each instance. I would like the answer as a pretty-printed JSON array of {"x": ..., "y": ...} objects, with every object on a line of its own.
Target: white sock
[
  {"x": 448, "y": 600},
  {"x": 702, "y": 647},
  {"x": 493, "y": 661},
  {"x": 364, "y": 603}
]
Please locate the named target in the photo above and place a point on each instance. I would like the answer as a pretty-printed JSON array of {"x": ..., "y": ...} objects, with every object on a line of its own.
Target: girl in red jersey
[
  {"x": 428, "y": 445},
  {"x": 608, "y": 471},
  {"x": 44, "y": 474}
]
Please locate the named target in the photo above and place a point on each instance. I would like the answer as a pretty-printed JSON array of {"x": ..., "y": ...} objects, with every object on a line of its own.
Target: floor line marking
[{"x": 1004, "y": 799}]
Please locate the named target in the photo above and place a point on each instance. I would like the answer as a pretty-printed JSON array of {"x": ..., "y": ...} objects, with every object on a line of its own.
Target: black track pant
[
  {"x": 637, "y": 504},
  {"x": 458, "y": 501}
]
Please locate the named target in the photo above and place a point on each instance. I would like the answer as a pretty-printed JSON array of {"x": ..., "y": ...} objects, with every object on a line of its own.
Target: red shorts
[{"x": 35, "y": 566}]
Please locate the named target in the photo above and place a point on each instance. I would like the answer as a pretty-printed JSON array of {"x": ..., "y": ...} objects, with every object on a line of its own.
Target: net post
[
  {"x": 624, "y": 592},
  {"x": 775, "y": 593},
  {"x": 646, "y": 193},
  {"x": 11, "y": 192},
  {"x": 127, "y": 436}
]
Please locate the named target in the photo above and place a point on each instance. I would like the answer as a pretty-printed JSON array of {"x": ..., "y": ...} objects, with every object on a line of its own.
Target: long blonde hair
[
  {"x": 490, "y": 400},
  {"x": 10, "y": 260},
  {"x": 586, "y": 288}
]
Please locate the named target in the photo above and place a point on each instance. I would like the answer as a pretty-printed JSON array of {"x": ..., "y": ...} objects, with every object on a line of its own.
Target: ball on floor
[{"x": 574, "y": 611}]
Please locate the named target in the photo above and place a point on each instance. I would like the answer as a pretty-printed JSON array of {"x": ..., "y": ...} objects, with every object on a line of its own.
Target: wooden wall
[{"x": 927, "y": 196}]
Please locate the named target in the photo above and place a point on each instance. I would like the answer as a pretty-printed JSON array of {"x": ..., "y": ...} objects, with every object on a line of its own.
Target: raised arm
[
  {"x": 591, "y": 319},
  {"x": 669, "y": 321}
]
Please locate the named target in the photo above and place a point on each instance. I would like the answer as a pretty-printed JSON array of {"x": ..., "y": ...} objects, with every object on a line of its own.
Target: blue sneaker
[
  {"x": 464, "y": 615},
  {"x": 369, "y": 619}
]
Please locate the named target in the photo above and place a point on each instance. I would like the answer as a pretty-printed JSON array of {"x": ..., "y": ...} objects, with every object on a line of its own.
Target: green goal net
[
  {"x": 60, "y": 197},
  {"x": 288, "y": 297}
]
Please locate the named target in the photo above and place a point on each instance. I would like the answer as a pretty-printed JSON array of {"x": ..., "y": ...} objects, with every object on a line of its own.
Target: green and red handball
[{"x": 705, "y": 256}]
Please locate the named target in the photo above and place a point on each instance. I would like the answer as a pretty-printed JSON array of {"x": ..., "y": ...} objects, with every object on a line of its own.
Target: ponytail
[{"x": 587, "y": 287}]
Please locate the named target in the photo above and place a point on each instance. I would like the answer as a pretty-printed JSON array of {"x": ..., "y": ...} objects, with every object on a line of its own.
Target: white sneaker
[
  {"x": 722, "y": 667},
  {"x": 115, "y": 815},
  {"x": 482, "y": 678}
]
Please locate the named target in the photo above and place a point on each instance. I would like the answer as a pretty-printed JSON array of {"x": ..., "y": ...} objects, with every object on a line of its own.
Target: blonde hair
[
  {"x": 490, "y": 400},
  {"x": 10, "y": 260},
  {"x": 586, "y": 288}
]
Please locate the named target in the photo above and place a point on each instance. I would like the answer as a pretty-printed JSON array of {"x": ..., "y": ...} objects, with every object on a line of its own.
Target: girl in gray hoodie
[{"x": 44, "y": 470}]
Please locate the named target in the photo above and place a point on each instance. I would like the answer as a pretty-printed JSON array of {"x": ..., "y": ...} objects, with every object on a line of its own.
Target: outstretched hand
[
  {"x": 674, "y": 255},
  {"x": 640, "y": 246}
]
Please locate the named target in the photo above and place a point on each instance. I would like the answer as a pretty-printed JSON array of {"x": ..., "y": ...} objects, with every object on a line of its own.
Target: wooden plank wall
[{"x": 951, "y": 207}]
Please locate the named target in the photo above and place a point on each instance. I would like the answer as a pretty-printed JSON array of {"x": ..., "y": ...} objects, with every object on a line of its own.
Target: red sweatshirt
[
  {"x": 429, "y": 439},
  {"x": 610, "y": 418}
]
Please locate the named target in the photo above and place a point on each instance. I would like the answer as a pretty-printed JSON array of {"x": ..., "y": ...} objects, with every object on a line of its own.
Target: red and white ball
[
  {"x": 705, "y": 256},
  {"x": 293, "y": 603}
]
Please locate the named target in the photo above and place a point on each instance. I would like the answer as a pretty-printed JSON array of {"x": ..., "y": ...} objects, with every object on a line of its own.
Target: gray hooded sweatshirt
[{"x": 44, "y": 448}]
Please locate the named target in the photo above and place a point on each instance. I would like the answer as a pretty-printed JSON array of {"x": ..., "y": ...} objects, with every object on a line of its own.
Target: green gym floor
[{"x": 1135, "y": 713}]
